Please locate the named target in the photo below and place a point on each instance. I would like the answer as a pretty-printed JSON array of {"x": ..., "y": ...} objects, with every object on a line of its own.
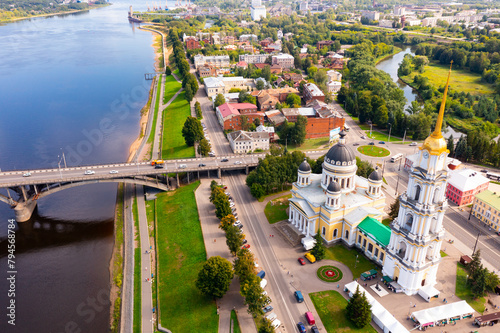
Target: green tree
[
  {"x": 219, "y": 100},
  {"x": 192, "y": 131},
  {"x": 256, "y": 122},
  {"x": 358, "y": 309},
  {"x": 265, "y": 326},
  {"x": 320, "y": 77},
  {"x": 168, "y": 70},
  {"x": 251, "y": 290},
  {"x": 222, "y": 207},
  {"x": 319, "y": 249},
  {"x": 227, "y": 221},
  {"x": 364, "y": 168},
  {"x": 244, "y": 264},
  {"x": 197, "y": 108},
  {"x": 293, "y": 100},
  {"x": 215, "y": 277},
  {"x": 492, "y": 280},
  {"x": 259, "y": 85},
  {"x": 451, "y": 145},
  {"x": 213, "y": 185},
  {"x": 188, "y": 93},
  {"x": 204, "y": 147},
  {"x": 234, "y": 239},
  {"x": 479, "y": 285},
  {"x": 299, "y": 131},
  {"x": 257, "y": 191},
  {"x": 266, "y": 73},
  {"x": 475, "y": 264},
  {"x": 394, "y": 209},
  {"x": 244, "y": 122}
]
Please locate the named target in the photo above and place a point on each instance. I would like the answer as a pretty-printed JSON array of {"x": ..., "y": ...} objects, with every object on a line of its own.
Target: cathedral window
[
  {"x": 370, "y": 247},
  {"x": 347, "y": 234},
  {"x": 409, "y": 222},
  {"x": 335, "y": 233},
  {"x": 417, "y": 192}
]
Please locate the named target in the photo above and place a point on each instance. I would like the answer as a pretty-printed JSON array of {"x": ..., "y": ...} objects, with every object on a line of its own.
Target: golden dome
[{"x": 435, "y": 143}]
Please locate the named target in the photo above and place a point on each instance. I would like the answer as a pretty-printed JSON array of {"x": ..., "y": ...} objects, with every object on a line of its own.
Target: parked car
[
  {"x": 310, "y": 257},
  {"x": 298, "y": 296},
  {"x": 301, "y": 327},
  {"x": 246, "y": 246},
  {"x": 240, "y": 226},
  {"x": 27, "y": 174},
  {"x": 371, "y": 143},
  {"x": 245, "y": 241},
  {"x": 382, "y": 142},
  {"x": 113, "y": 172},
  {"x": 356, "y": 144},
  {"x": 310, "y": 318},
  {"x": 267, "y": 309},
  {"x": 484, "y": 170},
  {"x": 314, "y": 329},
  {"x": 363, "y": 137},
  {"x": 224, "y": 160},
  {"x": 413, "y": 144},
  {"x": 89, "y": 172},
  {"x": 202, "y": 165},
  {"x": 263, "y": 283},
  {"x": 302, "y": 261},
  {"x": 237, "y": 222},
  {"x": 276, "y": 323}
]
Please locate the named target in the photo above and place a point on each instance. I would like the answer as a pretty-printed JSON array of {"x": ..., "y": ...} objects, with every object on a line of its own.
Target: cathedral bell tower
[{"x": 413, "y": 254}]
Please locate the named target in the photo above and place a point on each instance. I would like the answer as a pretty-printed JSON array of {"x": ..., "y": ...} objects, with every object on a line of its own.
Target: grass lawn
[
  {"x": 311, "y": 144},
  {"x": 330, "y": 306},
  {"x": 173, "y": 144},
  {"x": 460, "y": 80},
  {"x": 287, "y": 188},
  {"x": 396, "y": 50},
  {"x": 155, "y": 116},
  {"x": 463, "y": 291},
  {"x": 236, "y": 324},
  {"x": 443, "y": 254},
  {"x": 374, "y": 151},
  {"x": 379, "y": 136},
  {"x": 276, "y": 209},
  {"x": 347, "y": 256},
  {"x": 181, "y": 254},
  {"x": 137, "y": 291},
  {"x": 171, "y": 87}
]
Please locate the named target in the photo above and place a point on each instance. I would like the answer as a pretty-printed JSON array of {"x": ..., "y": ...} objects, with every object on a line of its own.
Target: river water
[
  {"x": 72, "y": 84},
  {"x": 390, "y": 66}
]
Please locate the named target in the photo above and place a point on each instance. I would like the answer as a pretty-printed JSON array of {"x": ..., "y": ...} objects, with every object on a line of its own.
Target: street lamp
[
  {"x": 404, "y": 135},
  {"x": 64, "y": 158},
  {"x": 390, "y": 128},
  {"x": 59, "y": 164},
  {"x": 477, "y": 238},
  {"x": 356, "y": 263},
  {"x": 371, "y": 124}
]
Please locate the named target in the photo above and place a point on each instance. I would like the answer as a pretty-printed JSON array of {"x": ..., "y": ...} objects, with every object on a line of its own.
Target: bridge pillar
[
  {"x": 246, "y": 170},
  {"x": 198, "y": 175},
  {"x": 188, "y": 176},
  {"x": 24, "y": 210},
  {"x": 177, "y": 174},
  {"x": 218, "y": 173},
  {"x": 23, "y": 190}
]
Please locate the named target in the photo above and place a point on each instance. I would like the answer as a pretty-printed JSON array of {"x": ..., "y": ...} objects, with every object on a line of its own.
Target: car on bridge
[
  {"x": 238, "y": 162},
  {"x": 27, "y": 174},
  {"x": 182, "y": 166},
  {"x": 202, "y": 165},
  {"x": 89, "y": 172},
  {"x": 224, "y": 160},
  {"x": 113, "y": 172}
]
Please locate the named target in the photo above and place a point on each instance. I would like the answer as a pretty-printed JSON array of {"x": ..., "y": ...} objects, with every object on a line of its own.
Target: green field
[
  {"x": 287, "y": 189},
  {"x": 137, "y": 291},
  {"x": 460, "y": 80},
  {"x": 181, "y": 254},
  {"x": 330, "y": 306},
  {"x": 311, "y": 144},
  {"x": 463, "y": 291},
  {"x": 348, "y": 257},
  {"x": 171, "y": 87},
  {"x": 276, "y": 209},
  {"x": 173, "y": 144},
  {"x": 374, "y": 151},
  {"x": 378, "y": 136}
]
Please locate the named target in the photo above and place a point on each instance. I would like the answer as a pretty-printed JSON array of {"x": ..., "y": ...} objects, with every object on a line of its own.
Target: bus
[
  {"x": 396, "y": 157},
  {"x": 492, "y": 175}
]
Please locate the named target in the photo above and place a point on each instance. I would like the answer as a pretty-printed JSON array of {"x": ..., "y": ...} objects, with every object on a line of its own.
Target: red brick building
[
  {"x": 312, "y": 92},
  {"x": 317, "y": 126},
  {"x": 324, "y": 43},
  {"x": 192, "y": 43}
]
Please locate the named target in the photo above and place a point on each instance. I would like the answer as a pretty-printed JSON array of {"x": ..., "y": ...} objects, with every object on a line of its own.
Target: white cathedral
[{"x": 347, "y": 208}]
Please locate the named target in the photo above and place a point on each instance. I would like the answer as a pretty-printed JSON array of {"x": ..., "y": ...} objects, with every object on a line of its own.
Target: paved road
[{"x": 127, "y": 314}]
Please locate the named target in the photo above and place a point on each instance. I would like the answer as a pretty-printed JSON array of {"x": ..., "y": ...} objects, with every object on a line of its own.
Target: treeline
[
  {"x": 189, "y": 81},
  {"x": 476, "y": 146},
  {"x": 11, "y": 9},
  {"x": 274, "y": 173}
]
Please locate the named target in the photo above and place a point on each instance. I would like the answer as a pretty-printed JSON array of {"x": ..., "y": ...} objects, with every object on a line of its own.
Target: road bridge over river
[{"x": 22, "y": 192}]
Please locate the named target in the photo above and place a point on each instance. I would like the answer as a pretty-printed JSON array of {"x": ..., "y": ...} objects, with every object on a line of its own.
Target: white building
[
  {"x": 399, "y": 10},
  {"x": 285, "y": 60},
  {"x": 333, "y": 75},
  {"x": 248, "y": 37},
  {"x": 334, "y": 86},
  {"x": 257, "y": 10},
  {"x": 385, "y": 23},
  {"x": 243, "y": 142},
  {"x": 413, "y": 254},
  {"x": 280, "y": 34},
  {"x": 216, "y": 61},
  {"x": 254, "y": 58},
  {"x": 222, "y": 85},
  {"x": 304, "y": 6},
  {"x": 374, "y": 16}
]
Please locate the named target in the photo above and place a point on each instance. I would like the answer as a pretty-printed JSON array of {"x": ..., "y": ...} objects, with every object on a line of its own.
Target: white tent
[
  {"x": 428, "y": 293},
  {"x": 383, "y": 318},
  {"x": 443, "y": 312}
]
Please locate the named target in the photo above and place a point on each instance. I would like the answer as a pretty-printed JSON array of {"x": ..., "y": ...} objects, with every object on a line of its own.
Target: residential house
[
  {"x": 254, "y": 58},
  {"x": 275, "y": 117},
  {"x": 334, "y": 75},
  {"x": 276, "y": 69},
  {"x": 249, "y": 37},
  {"x": 243, "y": 142},
  {"x": 280, "y": 94},
  {"x": 333, "y": 86},
  {"x": 215, "y": 61},
  {"x": 294, "y": 77},
  {"x": 222, "y": 85},
  {"x": 192, "y": 43},
  {"x": 319, "y": 123},
  {"x": 269, "y": 129},
  {"x": 207, "y": 71},
  {"x": 324, "y": 43},
  {"x": 242, "y": 64},
  {"x": 229, "y": 40},
  {"x": 284, "y": 60},
  {"x": 486, "y": 208}
]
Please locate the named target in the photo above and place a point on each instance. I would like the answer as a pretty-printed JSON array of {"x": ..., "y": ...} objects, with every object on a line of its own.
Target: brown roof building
[
  {"x": 276, "y": 69},
  {"x": 192, "y": 43},
  {"x": 229, "y": 115}
]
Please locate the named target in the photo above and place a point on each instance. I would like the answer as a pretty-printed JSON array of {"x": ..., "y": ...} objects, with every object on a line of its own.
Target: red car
[
  {"x": 302, "y": 261},
  {"x": 246, "y": 246}
]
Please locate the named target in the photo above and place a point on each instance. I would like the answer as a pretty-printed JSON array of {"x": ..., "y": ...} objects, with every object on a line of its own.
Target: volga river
[{"x": 62, "y": 78}]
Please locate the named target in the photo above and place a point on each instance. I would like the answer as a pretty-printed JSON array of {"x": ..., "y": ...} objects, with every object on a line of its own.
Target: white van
[
  {"x": 263, "y": 283},
  {"x": 276, "y": 323},
  {"x": 182, "y": 166}
]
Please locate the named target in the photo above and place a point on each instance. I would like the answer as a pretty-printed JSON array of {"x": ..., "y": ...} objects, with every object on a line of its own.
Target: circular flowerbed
[
  {"x": 329, "y": 273},
  {"x": 374, "y": 151}
]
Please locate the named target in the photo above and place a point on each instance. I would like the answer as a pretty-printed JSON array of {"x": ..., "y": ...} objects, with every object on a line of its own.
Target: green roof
[
  {"x": 490, "y": 198},
  {"x": 375, "y": 229}
]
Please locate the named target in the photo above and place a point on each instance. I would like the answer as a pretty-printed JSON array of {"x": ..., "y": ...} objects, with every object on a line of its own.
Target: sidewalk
[{"x": 215, "y": 244}]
